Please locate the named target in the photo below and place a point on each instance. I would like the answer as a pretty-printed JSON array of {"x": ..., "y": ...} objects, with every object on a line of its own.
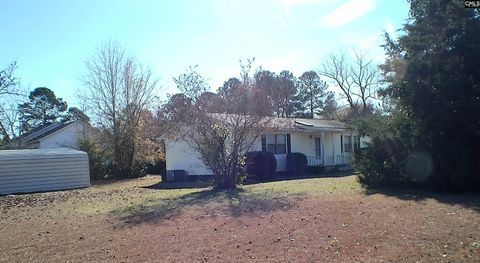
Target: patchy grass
[
  {"x": 135, "y": 195},
  {"x": 316, "y": 186},
  {"x": 309, "y": 220}
]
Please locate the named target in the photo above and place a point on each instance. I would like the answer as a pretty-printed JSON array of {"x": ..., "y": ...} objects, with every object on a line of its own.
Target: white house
[
  {"x": 324, "y": 142},
  {"x": 56, "y": 135}
]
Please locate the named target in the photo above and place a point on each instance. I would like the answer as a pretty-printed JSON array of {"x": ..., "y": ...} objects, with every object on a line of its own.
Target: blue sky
[{"x": 50, "y": 40}]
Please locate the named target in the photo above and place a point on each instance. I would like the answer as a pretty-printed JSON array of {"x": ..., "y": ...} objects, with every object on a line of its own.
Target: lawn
[{"x": 309, "y": 220}]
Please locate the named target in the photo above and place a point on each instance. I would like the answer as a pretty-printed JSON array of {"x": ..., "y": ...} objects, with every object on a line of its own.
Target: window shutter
[
  {"x": 289, "y": 146},
  {"x": 341, "y": 143},
  {"x": 264, "y": 143}
]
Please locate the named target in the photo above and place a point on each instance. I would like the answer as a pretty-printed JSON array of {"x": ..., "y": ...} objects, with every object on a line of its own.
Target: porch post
[
  {"x": 342, "y": 147},
  {"x": 351, "y": 141},
  {"x": 333, "y": 147},
  {"x": 322, "y": 148}
]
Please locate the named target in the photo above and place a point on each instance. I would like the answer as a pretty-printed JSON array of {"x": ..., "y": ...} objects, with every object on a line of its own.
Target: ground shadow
[
  {"x": 206, "y": 182},
  {"x": 180, "y": 184},
  {"x": 236, "y": 203},
  {"x": 287, "y": 177},
  {"x": 467, "y": 200}
]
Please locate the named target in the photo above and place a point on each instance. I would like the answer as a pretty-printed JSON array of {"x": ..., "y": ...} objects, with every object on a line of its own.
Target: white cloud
[{"x": 348, "y": 12}]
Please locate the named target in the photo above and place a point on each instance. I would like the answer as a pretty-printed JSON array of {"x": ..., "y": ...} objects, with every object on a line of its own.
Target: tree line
[
  {"x": 120, "y": 96},
  {"x": 420, "y": 107}
]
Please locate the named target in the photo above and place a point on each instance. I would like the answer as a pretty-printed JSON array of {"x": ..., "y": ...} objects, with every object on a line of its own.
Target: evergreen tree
[
  {"x": 75, "y": 114},
  {"x": 434, "y": 69},
  {"x": 42, "y": 108},
  {"x": 313, "y": 93}
]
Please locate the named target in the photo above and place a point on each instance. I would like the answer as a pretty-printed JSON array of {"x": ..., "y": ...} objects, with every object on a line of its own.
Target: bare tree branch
[
  {"x": 221, "y": 139},
  {"x": 357, "y": 77},
  {"x": 118, "y": 90}
]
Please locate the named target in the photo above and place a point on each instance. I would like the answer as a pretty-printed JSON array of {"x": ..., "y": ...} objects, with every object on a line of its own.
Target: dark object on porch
[
  {"x": 261, "y": 165},
  {"x": 297, "y": 164}
]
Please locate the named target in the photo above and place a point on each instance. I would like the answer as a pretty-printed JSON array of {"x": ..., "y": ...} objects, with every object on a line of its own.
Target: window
[
  {"x": 356, "y": 141},
  {"x": 276, "y": 143},
  {"x": 347, "y": 140}
]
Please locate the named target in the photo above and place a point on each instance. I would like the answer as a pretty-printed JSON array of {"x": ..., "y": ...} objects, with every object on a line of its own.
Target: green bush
[
  {"x": 143, "y": 167},
  {"x": 261, "y": 165},
  {"x": 139, "y": 168},
  {"x": 297, "y": 164},
  {"x": 383, "y": 162}
]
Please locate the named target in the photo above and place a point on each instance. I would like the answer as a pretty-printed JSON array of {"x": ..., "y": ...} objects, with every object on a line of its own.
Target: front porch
[
  {"x": 328, "y": 147},
  {"x": 323, "y": 148}
]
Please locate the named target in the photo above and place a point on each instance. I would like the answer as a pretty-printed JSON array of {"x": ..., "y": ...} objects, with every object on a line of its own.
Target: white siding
[
  {"x": 180, "y": 156},
  {"x": 64, "y": 138},
  {"x": 304, "y": 143},
  {"x": 24, "y": 171}
]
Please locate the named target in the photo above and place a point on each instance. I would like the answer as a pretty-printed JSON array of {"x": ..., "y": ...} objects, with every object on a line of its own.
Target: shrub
[
  {"x": 383, "y": 162},
  {"x": 261, "y": 165},
  {"x": 297, "y": 164},
  {"x": 156, "y": 167},
  {"x": 97, "y": 167},
  {"x": 139, "y": 168}
]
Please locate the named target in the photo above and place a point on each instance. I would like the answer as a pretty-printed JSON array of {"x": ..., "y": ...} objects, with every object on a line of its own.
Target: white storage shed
[{"x": 39, "y": 170}]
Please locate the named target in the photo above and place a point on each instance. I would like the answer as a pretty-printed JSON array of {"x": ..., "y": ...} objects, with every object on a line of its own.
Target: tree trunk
[{"x": 311, "y": 106}]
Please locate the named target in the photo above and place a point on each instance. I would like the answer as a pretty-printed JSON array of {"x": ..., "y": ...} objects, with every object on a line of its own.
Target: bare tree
[
  {"x": 221, "y": 139},
  {"x": 357, "y": 77},
  {"x": 9, "y": 118},
  {"x": 8, "y": 81},
  {"x": 117, "y": 90},
  {"x": 10, "y": 96}
]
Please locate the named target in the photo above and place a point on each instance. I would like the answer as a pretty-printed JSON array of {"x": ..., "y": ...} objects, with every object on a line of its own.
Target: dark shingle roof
[
  {"x": 43, "y": 131},
  {"x": 295, "y": 124}
]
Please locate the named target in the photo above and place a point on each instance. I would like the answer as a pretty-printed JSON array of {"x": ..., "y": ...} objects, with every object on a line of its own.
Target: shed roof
[{"x": 38, "y": 153}]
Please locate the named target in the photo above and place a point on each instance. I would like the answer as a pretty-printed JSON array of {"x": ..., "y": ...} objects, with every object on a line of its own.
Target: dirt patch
[{"x": 312, "y": 220}]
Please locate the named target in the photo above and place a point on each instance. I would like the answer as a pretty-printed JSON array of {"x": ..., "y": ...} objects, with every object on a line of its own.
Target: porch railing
[
  {"x": 339, "y": 159},
  {"x": 314, "y": 161},
  {"x": 318, "y": 161},
  {"x": 328, "y": 159}
]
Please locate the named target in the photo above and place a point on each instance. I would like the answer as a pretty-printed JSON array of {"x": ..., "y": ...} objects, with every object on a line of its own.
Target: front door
[{"x": 318, "y": 148}]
